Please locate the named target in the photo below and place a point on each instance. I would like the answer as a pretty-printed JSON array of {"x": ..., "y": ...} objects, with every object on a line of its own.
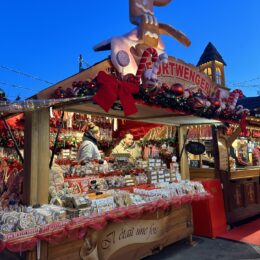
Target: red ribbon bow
[{"x": 111, "y": 89}]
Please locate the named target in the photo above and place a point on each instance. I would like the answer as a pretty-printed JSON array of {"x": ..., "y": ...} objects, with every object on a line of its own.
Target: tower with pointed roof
[{"x": 212, "y": 64}]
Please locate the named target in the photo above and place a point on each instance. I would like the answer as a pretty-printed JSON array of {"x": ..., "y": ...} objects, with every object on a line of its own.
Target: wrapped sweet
[
  {"x": 56, "y": 177},
  {"x": 26, "y": 221}
]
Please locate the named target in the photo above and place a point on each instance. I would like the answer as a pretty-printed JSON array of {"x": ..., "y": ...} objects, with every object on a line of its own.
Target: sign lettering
[{"x": 189, "y": 74}]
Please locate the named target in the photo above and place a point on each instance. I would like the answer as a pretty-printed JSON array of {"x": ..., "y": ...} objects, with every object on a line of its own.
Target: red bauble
[
  {"x": 59, "y": 93},
  {"x": 216, "y": 103},
  {"x": 131, "y": 78},
  {"x": 74, "y": 84},
  {"x": 10, "y": 143},
  {"x": 2, "y": 94},
  {"x": 151, "y": 88},
  {"x": 80, "y": 83},
  {"x": 177, "y": 89},
  {"x": 165, "y": 87},
  {"x": 69, "y": 92},
  {"x": 196, "y": 102}
]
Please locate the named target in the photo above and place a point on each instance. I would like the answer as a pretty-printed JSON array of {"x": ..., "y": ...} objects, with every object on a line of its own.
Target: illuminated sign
[{"x": 186, "y": 74}]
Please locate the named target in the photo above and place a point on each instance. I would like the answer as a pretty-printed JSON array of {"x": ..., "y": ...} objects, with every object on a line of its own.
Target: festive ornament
[
  {"x": 165, "y": 87},
  {"x": 80, "y": 83},
  {"x": 196, "y": 102},
  {"x": 222, "y": 96},
  {"x": 187, "y": 93},
  {"x": 69, "y": 92},
  {"x": 216, "y": 104},
  {"x": 131, "y": 78},
  {"x": 151, "y": 87},
  {"x": 59, "y": 93},
  {"x": 142, "y": 64},
  {"x": 2, "y": 95},
  {"x": 74, "y": 84},
  {"x": 151, "y": 74},
  {"x": 233, "y": 98},
  {"x": 113, "y": 89},
  {"x": 10, "y": 143},
  {"x": 177, "y": 89},
  {"x": 207, "y": 104}
]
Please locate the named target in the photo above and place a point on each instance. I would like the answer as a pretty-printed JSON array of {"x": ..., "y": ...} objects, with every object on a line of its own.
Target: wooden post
[
  {"x": 215, "y": 151},
  {"x": 36, "y": 157},
  {"x": 30, "y": 158},
  {"x": 184, "y": 166},
  {"x": 43, "y": 155}
]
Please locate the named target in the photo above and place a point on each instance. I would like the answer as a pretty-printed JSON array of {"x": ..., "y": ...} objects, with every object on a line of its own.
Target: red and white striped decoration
[
  {"x": 163, "y": 58},
  {"x": 187, "y": 93},
  {"x": 148, "y": 52},
  {"x": 233, "y": 98}
]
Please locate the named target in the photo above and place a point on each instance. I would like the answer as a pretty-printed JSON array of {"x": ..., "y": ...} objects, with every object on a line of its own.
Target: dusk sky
[{"x": 44, "y": 38}]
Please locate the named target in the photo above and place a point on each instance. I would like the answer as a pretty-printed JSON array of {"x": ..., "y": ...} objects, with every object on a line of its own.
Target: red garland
[
  {"x": 78, "y": 227},
  {"x": 111, "y": 89}
]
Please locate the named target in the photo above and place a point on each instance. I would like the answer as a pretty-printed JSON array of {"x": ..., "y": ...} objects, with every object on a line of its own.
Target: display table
[
  {"x": 131, "y": 239},
  {"x": 133, "y": 231},
  {"x": 127, "y": 239}
]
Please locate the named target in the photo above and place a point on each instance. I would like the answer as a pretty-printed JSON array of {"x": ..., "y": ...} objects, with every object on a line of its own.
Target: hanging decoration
[
  {"x": 7, "y": 142},
  {"x": 146, "y": 87},
  {"x": 2, "y": 95},
  {"x": 196, "y": 148},
  {"x": 158, "y": 143},
  {"x": 175, "y": 97},
  {"x": 18, "y": 106},
  {"x": 113, "y": 88},
  {"x": 177, "y": 89}
]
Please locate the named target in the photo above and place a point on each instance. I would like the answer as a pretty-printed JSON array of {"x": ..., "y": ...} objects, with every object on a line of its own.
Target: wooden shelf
[
  {"x": 198, "y": 173},
  {"x": 245, "y": 173}
]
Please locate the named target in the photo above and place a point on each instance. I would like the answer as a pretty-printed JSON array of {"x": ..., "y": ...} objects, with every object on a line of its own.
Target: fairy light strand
[{"x": 25, "y": 74}]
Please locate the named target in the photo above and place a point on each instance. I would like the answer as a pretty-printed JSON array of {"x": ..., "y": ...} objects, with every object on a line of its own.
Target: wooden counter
[
  {"x": 131, "y": 239},
  {"x": 198, "y": 173},
  {"x": 209, "y": 173},
  {"x": 241, "y": 189},
  {"x": 245, "y": 173}
]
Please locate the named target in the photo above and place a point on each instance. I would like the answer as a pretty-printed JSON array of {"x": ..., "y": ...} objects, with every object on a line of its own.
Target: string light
[
  {"x": 245, "y": 81},
  {"x": 15, "y": 86},
  {"x": 25, "y": 74},
  {"x": 250, "y": 86}
]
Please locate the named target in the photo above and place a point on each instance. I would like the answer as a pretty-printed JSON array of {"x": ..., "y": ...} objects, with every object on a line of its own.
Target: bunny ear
[{"x": 161, "y": 2}]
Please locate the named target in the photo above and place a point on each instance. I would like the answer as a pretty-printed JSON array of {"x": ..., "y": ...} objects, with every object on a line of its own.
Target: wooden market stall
[
  {"x": 116, "y": 239},
  {"x": 135, "y": 84},
  {"x": 101, "y": 238},
  {"x": 177, "y": 221},
  {"x": 241, "y": 186}
]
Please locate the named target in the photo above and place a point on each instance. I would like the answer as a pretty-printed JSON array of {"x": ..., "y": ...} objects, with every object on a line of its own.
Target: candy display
[
  {"x": 22, "y": 218},
  {"x": 90, "y": 193},
  {"x": 17, "y": 218}
]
